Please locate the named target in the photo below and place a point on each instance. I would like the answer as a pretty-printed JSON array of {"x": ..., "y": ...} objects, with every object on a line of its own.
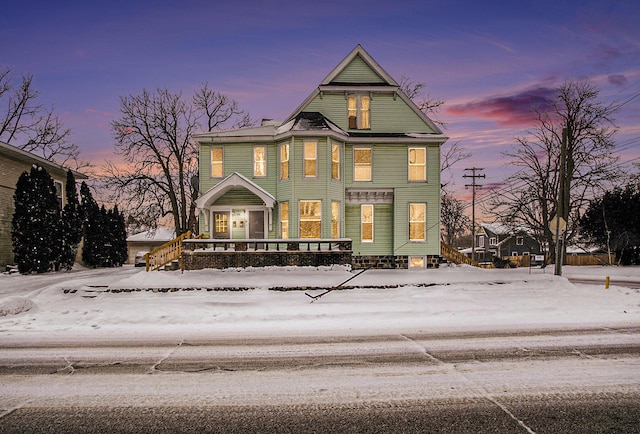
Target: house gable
[
  {"x": 358, "y": 67},
  {"x": 392, "y": 112},
  {"x": 234, "y": 181}
]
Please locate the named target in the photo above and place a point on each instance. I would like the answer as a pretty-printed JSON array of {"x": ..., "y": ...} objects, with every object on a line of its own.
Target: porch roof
[{"x": 232, "y": 181}]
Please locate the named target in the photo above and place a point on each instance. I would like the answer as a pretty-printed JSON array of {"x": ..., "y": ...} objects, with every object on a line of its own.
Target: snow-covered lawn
[{"x": 131, "y": 304}]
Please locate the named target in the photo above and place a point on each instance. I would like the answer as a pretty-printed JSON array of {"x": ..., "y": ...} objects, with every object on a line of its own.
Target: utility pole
[{"x": 473, "y": 186}]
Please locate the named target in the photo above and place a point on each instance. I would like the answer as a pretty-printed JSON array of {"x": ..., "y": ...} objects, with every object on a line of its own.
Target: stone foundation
[
  {"x": 389, "y": 262},
  {"x": 198, "y": 260}
]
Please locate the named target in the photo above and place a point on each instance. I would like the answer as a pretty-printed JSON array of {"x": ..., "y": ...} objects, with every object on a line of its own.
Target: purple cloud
[
  {"x": 512, "y": 110},
  {"x": 617, "y": 80}
]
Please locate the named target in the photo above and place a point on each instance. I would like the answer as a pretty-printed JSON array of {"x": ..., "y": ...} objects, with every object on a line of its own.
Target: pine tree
[
  {"x": 119, "y": 238},
  {"x": 72, "y": 220},
  {"x": 91, "y": 227},
  {"x": 36, "y": 229}
]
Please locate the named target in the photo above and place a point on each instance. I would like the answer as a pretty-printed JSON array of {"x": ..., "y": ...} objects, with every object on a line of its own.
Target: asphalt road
[{"x": 546, "y": 381}]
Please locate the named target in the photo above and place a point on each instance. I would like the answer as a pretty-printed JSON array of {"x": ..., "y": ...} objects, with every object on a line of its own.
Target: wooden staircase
[
  {"x": 454, "y": 256},
  {"x": 167, "y": 253}
]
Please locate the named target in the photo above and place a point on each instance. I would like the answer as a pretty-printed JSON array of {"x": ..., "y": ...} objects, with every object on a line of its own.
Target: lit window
[
  {"x": 417, "y": 164},
  {"x": 310, "y": 218},
  {"x": 416, "y": 262},
  {"x": 335, "y": 219},
  {"x": 284, "y": 161},
  {"x": 335, "y": 161},
  {"x": 284, "y": 219},
  {"x": 259, "y": 161},
  {"x": 366, "y": 223},
  {"x": 222, "y": 222},
  {"x": 217, "y": 167},
  {"x": 417, "y": 222},
  {"x": 359, "y": 112},
  {"x": 310, "y": 159},
  {"x": 362, "y": 164}
]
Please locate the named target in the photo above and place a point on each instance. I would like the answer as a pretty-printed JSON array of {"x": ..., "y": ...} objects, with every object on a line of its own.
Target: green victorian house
[{"x": 356, "y": 160}]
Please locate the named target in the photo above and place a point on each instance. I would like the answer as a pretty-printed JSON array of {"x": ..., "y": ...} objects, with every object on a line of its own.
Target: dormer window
[{"x": 359, "y": 112}]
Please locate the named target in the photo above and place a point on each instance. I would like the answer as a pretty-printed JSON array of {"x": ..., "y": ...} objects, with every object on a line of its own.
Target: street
[{"x": 536, "y": 381}]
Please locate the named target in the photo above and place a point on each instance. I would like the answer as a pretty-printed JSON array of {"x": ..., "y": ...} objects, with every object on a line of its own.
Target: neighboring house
[
  {"x": 357, "y": 159},
  {"x": 147, "y": 241},
  {"x": 13, "y": 162},
  {"x": 501, "y": 240}
]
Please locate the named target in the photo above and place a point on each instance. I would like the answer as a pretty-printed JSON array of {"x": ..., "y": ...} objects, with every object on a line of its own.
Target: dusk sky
[{"x": 487, "y": 59}]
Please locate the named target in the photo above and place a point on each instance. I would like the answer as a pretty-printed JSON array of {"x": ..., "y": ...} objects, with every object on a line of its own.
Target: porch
[{"x": 198, "y": 254}]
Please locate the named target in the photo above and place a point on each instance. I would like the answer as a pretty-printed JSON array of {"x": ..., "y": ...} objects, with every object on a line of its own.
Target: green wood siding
[
  {"x": 403, "y": 197},
  {"x": 388, "y": 114},
  {"x": 238, "y": 157},
  {"x": 390, "y": 166},
  {"x": 358, "y": 71},
  {"x": 382, "y": 230}
]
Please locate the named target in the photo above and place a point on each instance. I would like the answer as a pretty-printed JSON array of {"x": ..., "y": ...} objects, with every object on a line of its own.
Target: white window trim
[
  {"x": 264, "y": 162},
  {"x": 283, "y": 146},
  {"x": 305, "y": 159},
  {"x": 370, "y": 149},
  {"x": 424, "y": 222},
  {"x": 424, "y": 262},
  {"x": 300, "y": 215},
  {"x": 338, "y": 218},
  {"x": 283, "y": 219},
  {"x": 337, "y": 162},
  {"x": 359, "y": 118},
  {"x": 221, "y": 162},
  {"x": 424, "y": 166},
  {"x": 362, "y": 240}
]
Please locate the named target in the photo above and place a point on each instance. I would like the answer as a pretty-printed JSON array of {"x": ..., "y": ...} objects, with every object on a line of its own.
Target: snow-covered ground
[{"x": 129, "y": 303}]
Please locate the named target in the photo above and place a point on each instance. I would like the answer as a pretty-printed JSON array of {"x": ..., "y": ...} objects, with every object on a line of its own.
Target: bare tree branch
[
  {"x": 531, "y": 198},
  {"x": 153, "y": 135},
  {"x": 28, "y": 125}
]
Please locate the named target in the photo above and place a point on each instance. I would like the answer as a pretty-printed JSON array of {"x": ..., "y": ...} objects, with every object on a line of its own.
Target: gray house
[{"x": 499, "y": 240}]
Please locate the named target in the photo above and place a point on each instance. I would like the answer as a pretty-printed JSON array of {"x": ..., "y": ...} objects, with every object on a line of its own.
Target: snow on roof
[
  {"x": 503, "y": 229},
  {"x": 159, "y": 234}
]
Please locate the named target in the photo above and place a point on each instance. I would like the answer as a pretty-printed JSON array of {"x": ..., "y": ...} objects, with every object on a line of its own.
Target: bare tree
[
  {"x": 531, "y": 195},
  {"x": 153, "y": 136},
  {"x": 29, "y": 125},
  {"x": 453, "y": 219},
  {"x": 416, "y": 92}
]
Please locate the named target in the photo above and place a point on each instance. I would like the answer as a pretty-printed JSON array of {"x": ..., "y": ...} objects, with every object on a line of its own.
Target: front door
[
  {"x": 256, "y": 224},
  {"x": 221, "y": 225}
]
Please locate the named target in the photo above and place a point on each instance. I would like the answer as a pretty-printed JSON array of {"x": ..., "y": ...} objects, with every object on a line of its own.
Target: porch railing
[
  {"x": 166, "y": 253},
  {"x": 453, "y": 255}
]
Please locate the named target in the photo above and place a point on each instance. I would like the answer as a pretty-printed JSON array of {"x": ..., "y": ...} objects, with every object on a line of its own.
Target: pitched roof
[
  {"x": 358, "y": 53},
  {"x": 383, "y": 83},
  {"x": 233, "y": 181},
  {"x": 28, "y": 157}
]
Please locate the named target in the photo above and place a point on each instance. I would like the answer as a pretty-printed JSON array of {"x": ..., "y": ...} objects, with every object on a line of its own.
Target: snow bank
[{"x": 15, "y": 305}]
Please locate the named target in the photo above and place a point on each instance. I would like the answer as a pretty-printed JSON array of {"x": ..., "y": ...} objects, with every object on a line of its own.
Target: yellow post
[{"x": 606, "y": 283}]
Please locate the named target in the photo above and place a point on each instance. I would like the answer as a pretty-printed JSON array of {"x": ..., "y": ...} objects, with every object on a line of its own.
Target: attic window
[{"x": 359, "y": 112}]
